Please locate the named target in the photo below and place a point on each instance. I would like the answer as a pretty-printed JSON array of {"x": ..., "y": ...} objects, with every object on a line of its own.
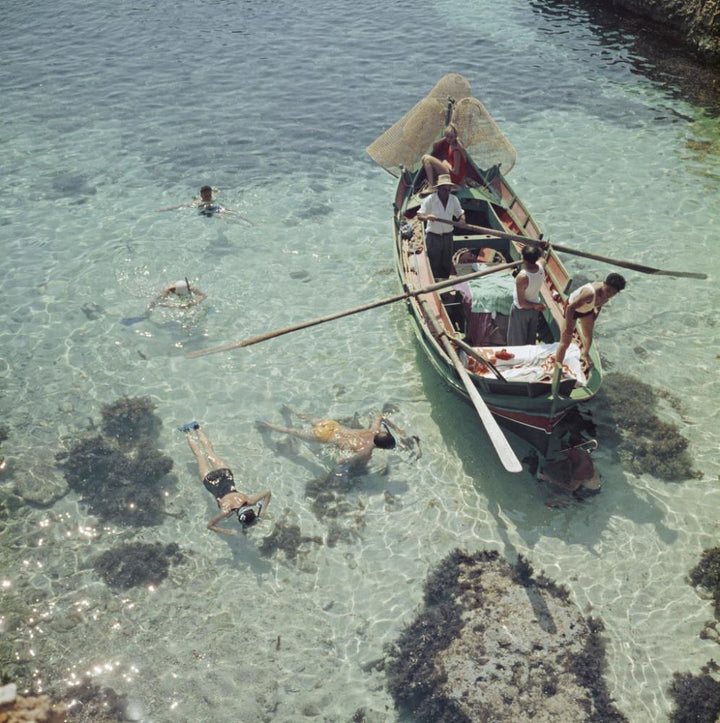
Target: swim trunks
[
  {"x": 220, "y": 482},
  {"x": 325, "y": 429}
]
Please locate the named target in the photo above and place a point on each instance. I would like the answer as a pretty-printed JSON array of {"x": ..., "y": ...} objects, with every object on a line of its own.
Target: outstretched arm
[
  {"x": 212, "y": 525},
  {"x": 263, "y": 498}
]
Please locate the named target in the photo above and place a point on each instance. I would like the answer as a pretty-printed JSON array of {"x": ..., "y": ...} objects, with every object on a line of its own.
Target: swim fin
[{"x": 188, "y": 427}]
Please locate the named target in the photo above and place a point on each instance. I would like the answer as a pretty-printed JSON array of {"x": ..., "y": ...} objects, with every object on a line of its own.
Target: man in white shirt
[{"x": 439, "y": 210}]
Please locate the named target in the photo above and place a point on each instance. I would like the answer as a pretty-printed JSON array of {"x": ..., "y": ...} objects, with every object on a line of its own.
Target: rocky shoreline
[{"x": 694, "y": 23}]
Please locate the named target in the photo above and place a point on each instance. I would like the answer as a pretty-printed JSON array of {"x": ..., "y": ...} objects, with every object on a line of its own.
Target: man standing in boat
[
  {"x": 526, "y": 307},
  {"x": 440, "y": 209}
]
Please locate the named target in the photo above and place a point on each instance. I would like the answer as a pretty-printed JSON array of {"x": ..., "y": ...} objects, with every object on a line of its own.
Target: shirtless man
[{"x": 359, "y": 442}]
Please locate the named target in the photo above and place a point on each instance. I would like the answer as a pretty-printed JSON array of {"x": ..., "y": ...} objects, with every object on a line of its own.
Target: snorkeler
[
  {"x": 207, "y": 206},
  {"x": 219, "y": 480},
  {"x": 360, "y": 442},
  {"x": 203, "y": 202},
  {"x": 572, "y": 474},
  {"x": 180, "y": 294}
]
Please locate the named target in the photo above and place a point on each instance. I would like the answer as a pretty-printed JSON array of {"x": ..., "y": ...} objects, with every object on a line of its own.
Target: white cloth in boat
[{"x": 532, "y": 363}]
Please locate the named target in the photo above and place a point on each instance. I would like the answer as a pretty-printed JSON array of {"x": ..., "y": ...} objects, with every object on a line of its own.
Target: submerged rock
[
  {"x": 118, "y": 484},
  {"x": 137, "y": 563},
  {"x": 16, "y": 708},
  {"x": 286, "y": 536},
  {"x": 628, "y": 408},
  {"x": 130, "y": 420},
  {"x": 697, "y": 697},
  {"x": 706, "y": 574},
  {"x": 495, "y": 642}
]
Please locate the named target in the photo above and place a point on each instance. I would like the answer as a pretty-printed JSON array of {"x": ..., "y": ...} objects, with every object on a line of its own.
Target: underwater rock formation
[
  {"x": 697, "y": 697},
  {"x": 706, "y": 574},
  {"x": 28, "y": 709},
  {"x": 627, "y": 407},
  {"x": 118, "y": 478},
  {"x": 130, "y": 420},
  {"x": 137, "y": 563},
  {"x": 496, "y": 642},
  {"x": 286, "y": 536},
  {"x": 696, "y": 23}
]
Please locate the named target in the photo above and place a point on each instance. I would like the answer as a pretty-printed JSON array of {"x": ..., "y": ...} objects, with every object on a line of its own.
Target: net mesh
[
  {"x": 413, "y": 135},
  {"x": 405, "y": 143},
  {"x": 483, "y": 140}
]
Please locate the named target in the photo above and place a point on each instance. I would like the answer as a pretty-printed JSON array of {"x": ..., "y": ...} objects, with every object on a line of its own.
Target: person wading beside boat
[
  {"x": 218, "y": 479},
  {"x": 447, "y": 157},
  {"x": 359, "y": 442},
  {"x": 522, "y": 327},
  {"x": 439, "y": 210},
  {"x": 584, "y": 305}
]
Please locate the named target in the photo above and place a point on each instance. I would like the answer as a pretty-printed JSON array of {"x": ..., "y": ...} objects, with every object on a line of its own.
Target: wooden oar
[
  {"x": 348, "y": 312},
  {"x": 475, "y": 355},
  {"x": 497, "y": 437},
  {"x": 585, "y": 254}
]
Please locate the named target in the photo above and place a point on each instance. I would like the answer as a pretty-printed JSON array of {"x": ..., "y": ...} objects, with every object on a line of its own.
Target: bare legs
[
  {"x": 301, "y": 433},
  {"x": 205, "y": 455},
  {"x": 433, "y": 168}
]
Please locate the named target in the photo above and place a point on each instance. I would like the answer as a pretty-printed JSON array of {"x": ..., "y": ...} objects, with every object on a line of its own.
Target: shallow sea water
[{"x": 111, "y": 112}]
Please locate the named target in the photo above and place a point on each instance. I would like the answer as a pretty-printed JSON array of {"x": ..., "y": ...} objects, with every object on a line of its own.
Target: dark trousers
[{"x": 440, "y": 250}]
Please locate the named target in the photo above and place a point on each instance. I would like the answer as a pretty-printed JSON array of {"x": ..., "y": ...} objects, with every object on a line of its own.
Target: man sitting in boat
[
  {"x": 522, "y": 327},
  {"x": 440, "y": 209},
  {"x": 447, "y": 156},
  {"x": 359, "y": 442}
]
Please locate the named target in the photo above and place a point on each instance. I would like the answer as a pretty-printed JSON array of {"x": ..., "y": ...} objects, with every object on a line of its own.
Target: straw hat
[{"x": 445, "y": 180}]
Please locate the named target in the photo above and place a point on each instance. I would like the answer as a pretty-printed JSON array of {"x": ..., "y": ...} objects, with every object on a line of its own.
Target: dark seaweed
[
  {"x": 118, "y": 475},
  {"x": 645, "y": 442},
  {"x": 286, "y": 537},
  {"x": 697, "y": 697},
  {"x": 707, "y": 574},
  {"x": 129, "y": 420},
  {"x": 137, "y": 563}
]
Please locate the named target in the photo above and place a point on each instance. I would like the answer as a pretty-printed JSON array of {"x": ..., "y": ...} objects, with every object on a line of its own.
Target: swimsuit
[
  {"x": 220, "y": 482},
  {"x": 325, "y": 429}
]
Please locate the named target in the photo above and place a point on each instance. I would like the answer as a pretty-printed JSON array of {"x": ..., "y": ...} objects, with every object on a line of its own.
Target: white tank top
[
  {"x": 532, "y": 292},
  {"x": 589, "y": 305}
]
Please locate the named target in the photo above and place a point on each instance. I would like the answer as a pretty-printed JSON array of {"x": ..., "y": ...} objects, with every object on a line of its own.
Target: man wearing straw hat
[{"x": 439, "y": 210}]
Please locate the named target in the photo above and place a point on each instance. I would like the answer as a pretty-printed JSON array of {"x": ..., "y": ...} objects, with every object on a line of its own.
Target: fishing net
[
  {"x": 412, "y": 136},
  {"x": 483, "y": 140}
]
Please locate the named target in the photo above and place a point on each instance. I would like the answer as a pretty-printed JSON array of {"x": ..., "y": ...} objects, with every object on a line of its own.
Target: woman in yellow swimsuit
[{"x": 359, "y": 442}]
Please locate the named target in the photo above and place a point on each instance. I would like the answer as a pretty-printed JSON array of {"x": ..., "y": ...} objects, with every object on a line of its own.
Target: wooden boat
[{"x": 463, "y": 344}]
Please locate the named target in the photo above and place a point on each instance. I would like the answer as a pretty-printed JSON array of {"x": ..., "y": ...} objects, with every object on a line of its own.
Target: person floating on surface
[
  {"x": 448, "y": 156},
  {"x": 218, "y": 479},
  {"x": 584, "y": 305},
  {"x": 204, "y": 202},
  {"x": 360, "y": 443},
  {"x": 180, "y": 293},
  {"x": 522, "y": 326},
  {"x": 440, "y": 209},
  {"x": 207, "y": 205}
]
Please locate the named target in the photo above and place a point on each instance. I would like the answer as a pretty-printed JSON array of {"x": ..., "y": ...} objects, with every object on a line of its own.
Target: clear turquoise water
[{"x": 111, "y": 112}]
